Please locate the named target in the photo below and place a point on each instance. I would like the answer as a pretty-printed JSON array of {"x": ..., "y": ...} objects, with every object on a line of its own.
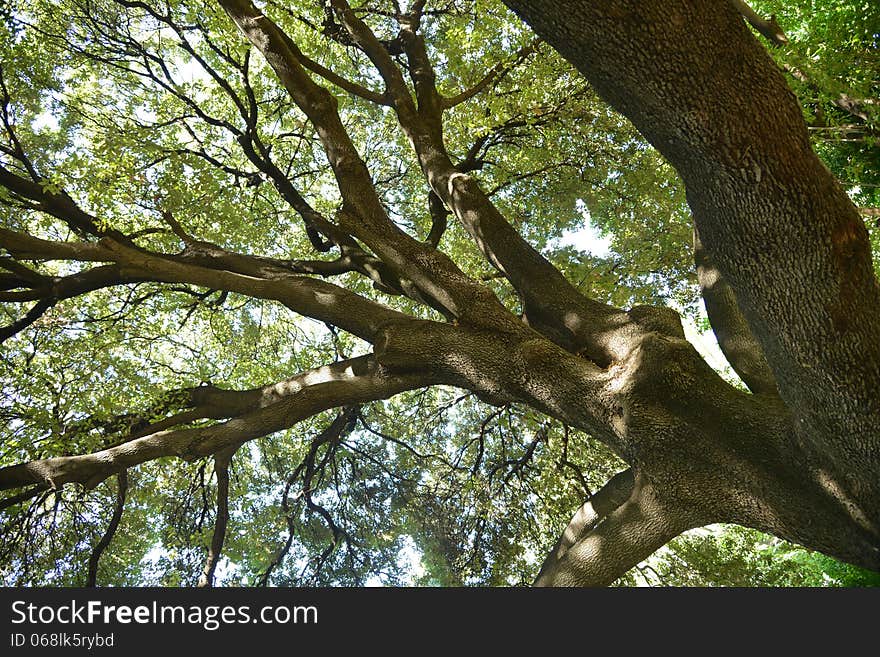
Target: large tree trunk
[
  {"x": 782, "y": 260},
  {"x": 782, "y": 233}
]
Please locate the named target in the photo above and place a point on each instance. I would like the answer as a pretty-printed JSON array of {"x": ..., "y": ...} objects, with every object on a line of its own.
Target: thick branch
[
  {"x": 613, "y": 494},
  {"x": 783, "y": 233},
  {"x": 51, "y": 290},
  {"x": 353, "y": 259},
  {"x": 731, "y": 330},
  {"x": 207, "y": 402},
  {"x": 265, "y": 279},
  {"x": 313, "y": 298},
  {"x": 608, "y": 547},
  {"x": 341, "y": 82},
  {"x": 36, "y": 311},
  {"x": 23, "y": 496},
  {"x": 27, "y": 247},
  {"x": 207, "y": 255},
  {"x": 360, "y": 381}
]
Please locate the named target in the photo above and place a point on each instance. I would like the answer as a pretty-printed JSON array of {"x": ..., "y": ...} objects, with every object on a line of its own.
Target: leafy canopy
[{"x": 135, "y": 110}]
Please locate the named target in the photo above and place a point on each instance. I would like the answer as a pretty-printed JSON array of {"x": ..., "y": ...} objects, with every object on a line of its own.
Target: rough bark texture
[
  {"x": 781, "y": 231},
  {"x": 734, "y": 337},
  {"x": 784, "y": 266}
]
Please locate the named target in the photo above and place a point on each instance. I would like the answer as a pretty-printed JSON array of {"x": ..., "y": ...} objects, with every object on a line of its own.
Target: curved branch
[
  {"x": 206, "y": 254},
  {"x": 604, "y": 549},
  {"x": 56, "y": 203},
  {"x": 363, "y": 214},
  {"x": 615, "y": 492},
  {"x": 27, "y": 247},
  {"x": 353, "y": 382},
  {"x": 735, "y": 338},
  {"x": 51, "y": 290},
  {"x": 495, "y": 74},
  {"x": 104, "y": 543},
  {"x": 333, "y": 434}
]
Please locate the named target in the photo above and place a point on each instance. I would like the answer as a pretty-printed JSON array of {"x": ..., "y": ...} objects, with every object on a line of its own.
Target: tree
[{"x": 155, "y": 156}]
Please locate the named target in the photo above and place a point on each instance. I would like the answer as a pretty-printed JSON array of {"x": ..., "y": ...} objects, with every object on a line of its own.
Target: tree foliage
[{"x": 186, "y": 231}]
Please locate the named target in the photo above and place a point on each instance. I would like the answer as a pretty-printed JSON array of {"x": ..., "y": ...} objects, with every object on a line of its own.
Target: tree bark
[
  {"x": 734, "y": 337},
  {"x": 615, "y": 540},
  {"x": 785, "y": 236},
  {"x": 784, "y": 266}
]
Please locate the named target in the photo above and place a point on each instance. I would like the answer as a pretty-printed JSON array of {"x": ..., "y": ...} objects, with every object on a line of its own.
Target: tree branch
[
  {"x": 734, "y": 337},
  {"x": 23, "y": 496},
  {"x": 553, "y": 305},
  {"x": 110, "y": 532},
  {"x": 606, "y": 547},
  {"x": 857, "y": 108},
  {"x": 782, "y": 231},
  {"x": 221, "y": 471},
  {"x": 495, "y": 74},
  {"x": 265, "y": 278},
  {"x": 768, "y": 28},
  {"x": 57, "y": 203},
  {"x": 36, "y": 311},
  {"x": 614, "y": 493},
  {"x": 308, "y": 296},
  {"x": 363, "y": 213},
  {"x": 352, "y": 382},
  {"x": 347, "y": 85}
]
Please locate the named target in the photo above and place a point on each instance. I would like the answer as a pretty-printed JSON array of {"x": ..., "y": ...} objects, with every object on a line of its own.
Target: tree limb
[
  {"x": 852, "y": 106},
  {"x": 221, "y": 471},
  {"x": 363, "y": 214},
  {"x": 734, "y": 336},
  {"x": 614, "y": 493},
  {"x": 495, "y": 74},
  {"x": 265, "y": 279},
  {"x": 782, "y": 231},
  {"x": 110, "y": 532},
  {"x": 358, "y": 381},
  {"x": 553, "y": 305},
  {"x": 307, "y": 296},
  {"x": 768, "y": 28},
  {"x": 606, "y": 547},
  {"x": 36, "y": 311},
  {"x": 23, "y": 496}
]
